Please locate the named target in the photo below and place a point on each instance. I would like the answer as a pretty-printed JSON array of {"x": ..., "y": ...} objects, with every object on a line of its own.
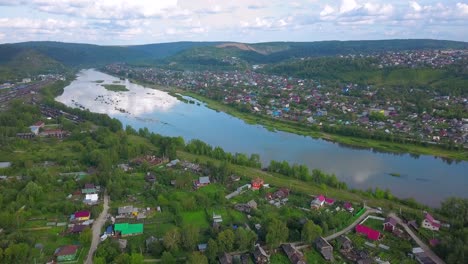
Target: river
[{"x": 427, "y": 179}]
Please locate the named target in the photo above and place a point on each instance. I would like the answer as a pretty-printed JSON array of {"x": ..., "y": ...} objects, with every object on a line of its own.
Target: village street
[
  {"x": 97, "y": 227},
  {"x": 421, "y": 244}
]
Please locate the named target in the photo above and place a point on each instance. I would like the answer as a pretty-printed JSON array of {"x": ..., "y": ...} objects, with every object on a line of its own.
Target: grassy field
[
  {"x": 115, "y": 87},
  {"x": 294, "y": 184}
]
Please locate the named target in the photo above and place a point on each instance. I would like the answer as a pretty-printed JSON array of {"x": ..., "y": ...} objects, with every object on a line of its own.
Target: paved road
[
  {"x": 351, "y": 227},
  {"x": 418, "y": 241},
  {"x": 97, "y": 226}
]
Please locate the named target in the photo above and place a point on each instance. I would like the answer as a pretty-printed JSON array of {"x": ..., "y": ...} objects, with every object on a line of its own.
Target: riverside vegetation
[{"x": 39, "y": 194}]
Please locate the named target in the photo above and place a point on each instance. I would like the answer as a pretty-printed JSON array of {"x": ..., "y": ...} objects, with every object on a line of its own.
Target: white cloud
[
  {"x": 416, "y": 7},
  {"x": 463, "y": 8},
  {"x": 327, "y": 10}
]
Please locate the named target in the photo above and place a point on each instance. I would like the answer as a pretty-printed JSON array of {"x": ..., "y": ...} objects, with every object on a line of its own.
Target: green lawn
[{"x": 197, "y": 218}]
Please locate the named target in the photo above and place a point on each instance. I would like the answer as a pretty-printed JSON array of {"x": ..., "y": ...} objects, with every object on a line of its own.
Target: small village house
[
  {"x": 257, "y": 183},
  {"x": 324, "y": 248},
  {"x": 368, "y": 232},
  {"x": 389, "y": 224},
  {"x": 202, "y": 181},
  {"x": 430, "y": 223},
  {"x": 66, "y": 253},
  {"x": 260, "y": 255},
  {"x": 317, "y": 202},
  {"x": 82, "y": 215},
  {"x": 294, "y": 255}
]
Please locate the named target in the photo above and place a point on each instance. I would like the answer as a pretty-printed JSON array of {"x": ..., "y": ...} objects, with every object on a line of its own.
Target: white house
[{"x": 430, "y": 223}]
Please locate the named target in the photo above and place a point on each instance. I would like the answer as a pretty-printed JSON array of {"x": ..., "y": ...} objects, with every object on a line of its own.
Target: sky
[{"x": 129, "y": 22}]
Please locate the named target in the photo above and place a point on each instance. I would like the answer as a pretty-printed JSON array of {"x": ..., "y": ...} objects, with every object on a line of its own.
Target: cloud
[
  {"x": 106, "y": 9},
  {"x": 267, "y": 23},
  {"x": 416, "y": 7},
  {"x": 463, "y": 8}
]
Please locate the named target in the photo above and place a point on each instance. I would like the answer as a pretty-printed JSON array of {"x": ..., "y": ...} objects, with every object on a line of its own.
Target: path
[
  {"x": 418, "y": 241},
  {"x": 97, "y": 226},
  {"x": 350, "y": 227}
]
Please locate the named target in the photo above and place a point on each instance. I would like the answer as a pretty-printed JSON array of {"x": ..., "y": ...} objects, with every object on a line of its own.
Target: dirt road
[
  {"x": 97, "y": 226},
  {"x": 351, "y": 227}
]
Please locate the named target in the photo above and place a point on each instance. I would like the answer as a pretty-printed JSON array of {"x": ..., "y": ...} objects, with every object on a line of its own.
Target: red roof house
[
  {"x": 348, "y": 206},
  {"x": 257, "y": 183},
  {"x": 82, "y": 215},
  {"x": 430, "y": 223},
  {"x": 317, "y": 202},
  {"x": 369, "y": 232},
  {"x": 329, "y": 201},
  {"x": 389, "y": 224}
]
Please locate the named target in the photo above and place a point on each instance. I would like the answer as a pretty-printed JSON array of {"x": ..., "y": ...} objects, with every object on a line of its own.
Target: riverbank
[{"x": 291, "y": 127}]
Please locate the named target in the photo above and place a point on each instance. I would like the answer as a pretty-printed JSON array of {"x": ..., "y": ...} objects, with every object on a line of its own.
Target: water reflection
[
  {"x": 359, "y": 168},
  {"x": 86, "y": 93}
]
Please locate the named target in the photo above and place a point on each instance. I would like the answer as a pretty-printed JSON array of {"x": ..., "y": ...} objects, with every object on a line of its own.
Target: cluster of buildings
[{"x": 311, "y": 102}]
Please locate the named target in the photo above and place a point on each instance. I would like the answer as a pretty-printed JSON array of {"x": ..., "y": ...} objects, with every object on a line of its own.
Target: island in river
[{"x": 428, "y": 179}]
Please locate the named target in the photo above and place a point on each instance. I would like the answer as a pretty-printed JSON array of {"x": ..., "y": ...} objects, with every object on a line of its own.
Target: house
[
  {"x": 127, "y": 210},
  {"x": 91, "y": 198},
  {"x": 202, "y": 181},
  {"x": 317, "y": 202},
  {"x": 225, "y": 258},
  {"x": 109, "y": 230},
  {"x": 66, "y": 253},
  {"x": 389, "y": 224},
  {"x": 421, "y": 257},
  {"x": 202, "y": 247},
  {"x": 282, "y": 193},
  {"x": 5, "y": 164},
  {"x": 369, "y": 232},
  {"x": 324, "y": 248},
  {"x": 82, "y": 215},
  {"x": 89, "y": 188},
  {"x": 58, "y": 133},
  {"x": 76, "y": 229},
  {"x": 329, "y": 201},
  {"x": 430, "y": 223},
  {"x": 126, "y": 229},
  {"x": 294, "y": 255},
  {"x": 346, "y": 243},
  {"x": 260, "y": 255},
  {"x": 257, "y": 183},
  {"x": 252, "y": 204},
  {"x": 348, "y": 207}
]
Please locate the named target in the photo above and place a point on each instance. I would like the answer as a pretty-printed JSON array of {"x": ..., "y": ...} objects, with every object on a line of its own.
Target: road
[
  {"x": 418, "y": 241},
  {"x": 351, "y": 227},
  {"x": 97, "y": 226}
]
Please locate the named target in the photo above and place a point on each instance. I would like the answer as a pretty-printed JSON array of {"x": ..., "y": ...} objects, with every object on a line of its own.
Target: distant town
[{"x": 439, "y": 119}]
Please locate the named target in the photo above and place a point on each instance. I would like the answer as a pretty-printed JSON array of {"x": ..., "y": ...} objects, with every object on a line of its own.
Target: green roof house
[
  {"x": 66, "y": 253},
  {"x": 127, "y": 229}
]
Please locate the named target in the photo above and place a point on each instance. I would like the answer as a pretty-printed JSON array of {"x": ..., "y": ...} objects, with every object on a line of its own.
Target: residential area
[{"x": 368, "y": 111}]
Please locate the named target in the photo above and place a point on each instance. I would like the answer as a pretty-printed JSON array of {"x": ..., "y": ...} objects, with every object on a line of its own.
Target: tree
[
  {"x": 277, "y": 232},
  {"x": 197, "y": 258},
  {"x": 245, "y": 238},
  {"x": 226, "y": 241},
  {"x": 171, "y": 239},
  {"x": 212, "y": 250},
  {"x": 167, "y": 258},
  {"x": 122, "y": 259},
  {"x": 190, "y": 234},
  {"x": 310, "y": 231},
  {"x": 137, "y": 258},
  {"x": 86, "y": 236},
  {"x": 99, "y": 260}
]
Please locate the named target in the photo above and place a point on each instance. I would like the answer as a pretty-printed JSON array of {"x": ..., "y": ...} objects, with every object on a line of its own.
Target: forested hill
[
  {"x": 86, "y": 55},
  {"x": 273, "y": 52},
  {"x": 74, "y": 54}
]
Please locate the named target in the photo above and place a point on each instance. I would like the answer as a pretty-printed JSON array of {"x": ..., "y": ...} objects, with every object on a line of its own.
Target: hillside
[
  {"x": 28, "y": 63},
  {"x": 238, "y": 55}
]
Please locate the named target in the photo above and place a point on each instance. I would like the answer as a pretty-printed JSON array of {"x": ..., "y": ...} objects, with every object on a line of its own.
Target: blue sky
[{"x": 126, "y": 22}]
